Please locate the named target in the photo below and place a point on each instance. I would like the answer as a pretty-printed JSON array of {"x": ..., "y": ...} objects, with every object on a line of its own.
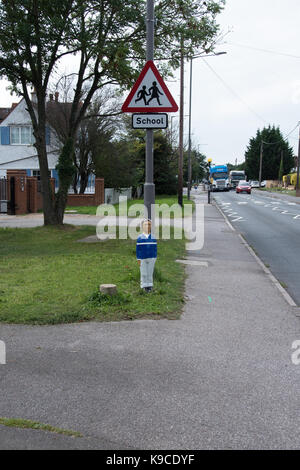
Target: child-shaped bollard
[{"x": 146, "y": 253}]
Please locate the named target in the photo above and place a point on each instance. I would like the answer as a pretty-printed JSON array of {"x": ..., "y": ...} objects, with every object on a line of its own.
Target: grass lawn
[
  {"x": 47, "y": 277},
  {"x": 279, "y": 190},
  {"x": 170, "y": 200}
]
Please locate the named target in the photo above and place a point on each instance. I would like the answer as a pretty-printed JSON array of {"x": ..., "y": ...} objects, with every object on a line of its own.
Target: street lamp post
[
  {"x": 298, "y": 169},
  {"x": 181, "y": 113},
  {"x": 190, "y": 124},
  {"x": 190, "y": 116},
  {"x": 260, "y": 162},
  {"x": 209, "y": 188}
]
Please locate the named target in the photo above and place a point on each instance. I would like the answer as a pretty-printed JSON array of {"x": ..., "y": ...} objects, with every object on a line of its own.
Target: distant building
[{"x": 16, "y": 142}]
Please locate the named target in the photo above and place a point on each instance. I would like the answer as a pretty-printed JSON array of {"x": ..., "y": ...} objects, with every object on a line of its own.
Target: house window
[
  {"x": 21, "y": 135},
  {"x": 37, "y": 174}
]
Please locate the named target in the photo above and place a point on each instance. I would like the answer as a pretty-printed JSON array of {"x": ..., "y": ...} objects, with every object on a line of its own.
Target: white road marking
[
  {"x": 204, "y": 264},
  {"x": 276, "y": 208},
  {"x": 237, "y": 219},
  {"x": 242, "y": 203},
  {"x": 297, "y": 217},
  {"x": 292, "y": 204}
]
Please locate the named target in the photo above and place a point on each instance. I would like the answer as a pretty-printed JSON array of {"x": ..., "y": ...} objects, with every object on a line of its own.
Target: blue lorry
[{"x": 218, "y": 175}]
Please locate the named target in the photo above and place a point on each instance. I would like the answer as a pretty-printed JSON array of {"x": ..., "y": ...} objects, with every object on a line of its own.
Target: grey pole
[
  {"x": 260, "y": 162},
  {"x": 298, "y": 169},
  {"x": 149, "y": 187},
  {"x": 181, "y": 123},
  {"x": 190, "y": 125}
]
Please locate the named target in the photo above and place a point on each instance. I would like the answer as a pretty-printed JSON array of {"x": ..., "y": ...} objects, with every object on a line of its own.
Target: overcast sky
[
  {"x": 265, "y": 87},
  {"x": 247, "y": 88}
]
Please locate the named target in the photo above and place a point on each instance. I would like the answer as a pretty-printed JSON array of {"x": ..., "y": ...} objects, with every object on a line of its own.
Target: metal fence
[{"x": 3, "y": 195}]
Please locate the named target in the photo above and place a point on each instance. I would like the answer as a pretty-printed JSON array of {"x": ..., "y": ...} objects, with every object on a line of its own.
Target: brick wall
[
  {"x": 88, "y": 199},
  {"x": 81, "y": 200},
  {"x": 35, "y": 197},
  {"x": 29, "y": 198},
  {"x": 20, "y": 190}
]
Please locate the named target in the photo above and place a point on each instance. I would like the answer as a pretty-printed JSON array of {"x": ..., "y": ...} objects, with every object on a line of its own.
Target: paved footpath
[{"x": 221, "y": 377}]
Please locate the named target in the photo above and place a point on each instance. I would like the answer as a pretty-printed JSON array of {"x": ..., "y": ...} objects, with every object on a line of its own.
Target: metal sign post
[
  {"x": 149, "y": 187},
  {"x": 151, "y": 98}
]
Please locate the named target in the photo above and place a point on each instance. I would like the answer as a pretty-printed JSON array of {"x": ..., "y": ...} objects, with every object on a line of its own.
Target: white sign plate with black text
[{"x": 150, "y": 121}]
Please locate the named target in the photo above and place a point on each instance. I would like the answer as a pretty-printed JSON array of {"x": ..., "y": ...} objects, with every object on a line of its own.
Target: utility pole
[
  {"x": 261, "y": 160},
  {"x": 149, "y": 187},
  {"x": 190, "y": 127},
  {"x": 298, "y": 169},
  {"x": 280, "y": 176},
  {"x": 209, "y": 183},
  {"x": 181, "y": 116}
]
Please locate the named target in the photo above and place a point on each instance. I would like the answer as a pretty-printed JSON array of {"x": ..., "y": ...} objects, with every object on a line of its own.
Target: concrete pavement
[
  {"x": 272, "y": 227},
  {"x": 221, "y": 377}
]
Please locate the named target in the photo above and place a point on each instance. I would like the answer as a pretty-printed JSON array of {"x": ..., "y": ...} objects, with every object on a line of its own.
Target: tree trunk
[
  {"x": 50, "y": 217},
  {"x": 66, "y": 171},
  {"x": 84, "y": 178},
  {"x": 75, "y": 182}
]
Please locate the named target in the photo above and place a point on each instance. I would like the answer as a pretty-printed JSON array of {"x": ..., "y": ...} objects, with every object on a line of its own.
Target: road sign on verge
[
  {"x": 150, "y": 121},
  {"x": 150, "y": 93}
]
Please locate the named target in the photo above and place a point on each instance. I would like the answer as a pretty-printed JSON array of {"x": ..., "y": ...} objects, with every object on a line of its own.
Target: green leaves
[{"x": 274, "y": 145}]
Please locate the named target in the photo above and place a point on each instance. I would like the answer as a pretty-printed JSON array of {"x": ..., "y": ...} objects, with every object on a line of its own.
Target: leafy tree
[
  {"x": 95, "y": 132},
  {"x": 273, "y": 145},
  {"x": 165, "y": 166},
  {"x": 199, "y": 165},
  {"x": 108, "y": 37}
]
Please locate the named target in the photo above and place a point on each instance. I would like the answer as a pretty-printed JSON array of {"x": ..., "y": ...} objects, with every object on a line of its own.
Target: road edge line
[{"x": 266, "y": 270}]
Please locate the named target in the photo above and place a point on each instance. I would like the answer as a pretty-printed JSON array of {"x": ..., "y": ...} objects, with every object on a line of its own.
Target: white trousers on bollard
[{"x": 147, "y": 268}]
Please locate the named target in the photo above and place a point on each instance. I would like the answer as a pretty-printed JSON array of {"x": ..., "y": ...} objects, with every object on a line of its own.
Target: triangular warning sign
[{"x": 149, "y": 94}]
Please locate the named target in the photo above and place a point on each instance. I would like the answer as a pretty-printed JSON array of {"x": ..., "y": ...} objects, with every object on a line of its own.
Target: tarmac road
[
  {"x": 272, "y": 227},
  {"x": 221, "y": 377}
]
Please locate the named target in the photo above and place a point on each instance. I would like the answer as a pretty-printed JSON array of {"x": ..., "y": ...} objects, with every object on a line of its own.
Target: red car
[{"x": 243, "y": 187}]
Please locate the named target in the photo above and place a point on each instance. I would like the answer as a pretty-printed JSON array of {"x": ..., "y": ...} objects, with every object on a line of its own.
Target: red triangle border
[{"x": 151, "y": 109}]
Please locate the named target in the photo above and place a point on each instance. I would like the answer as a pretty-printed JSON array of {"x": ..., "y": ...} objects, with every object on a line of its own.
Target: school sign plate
[{"x": 150, "y": 121}]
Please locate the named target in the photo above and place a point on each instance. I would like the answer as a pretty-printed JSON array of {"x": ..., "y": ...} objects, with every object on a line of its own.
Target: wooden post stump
[{"x": 108, "y": 289}]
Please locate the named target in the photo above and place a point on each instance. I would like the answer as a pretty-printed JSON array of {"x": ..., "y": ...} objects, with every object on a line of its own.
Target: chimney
[
  {"x": 33, "y": 96},
  {"x": 56, "y": 96}
]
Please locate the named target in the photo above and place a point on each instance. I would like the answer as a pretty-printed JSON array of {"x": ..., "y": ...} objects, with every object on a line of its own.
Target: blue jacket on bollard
[{"x": 146, "y": 247}]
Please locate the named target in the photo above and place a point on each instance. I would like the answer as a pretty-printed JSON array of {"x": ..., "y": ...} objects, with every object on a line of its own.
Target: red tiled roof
[{"x": 4, "y": 112}]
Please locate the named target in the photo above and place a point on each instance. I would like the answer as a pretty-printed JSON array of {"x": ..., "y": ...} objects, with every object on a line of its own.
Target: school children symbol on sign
[{"x": 150, "y": 93}]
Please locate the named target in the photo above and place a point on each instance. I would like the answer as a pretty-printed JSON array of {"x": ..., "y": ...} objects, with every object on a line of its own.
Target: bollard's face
[{"x": 147, "y": 227}]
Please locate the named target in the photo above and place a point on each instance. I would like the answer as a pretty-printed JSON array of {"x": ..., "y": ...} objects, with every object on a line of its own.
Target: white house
[{"x": 16, "y": 142}]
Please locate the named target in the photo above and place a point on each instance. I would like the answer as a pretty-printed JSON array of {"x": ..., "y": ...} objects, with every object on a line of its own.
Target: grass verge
[
  {"x": 48, "y": 277},
  {"x": 278, "y": 190},
  {"x": 170, "y": 200},
  {"x": 28, "y": 424}
]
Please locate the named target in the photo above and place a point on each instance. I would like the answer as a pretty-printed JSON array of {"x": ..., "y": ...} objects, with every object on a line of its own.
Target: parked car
[
  {"x": 254, "y": 184},
  {"x": 263, "y": 184},
  {"x": 243, "y": 187}
]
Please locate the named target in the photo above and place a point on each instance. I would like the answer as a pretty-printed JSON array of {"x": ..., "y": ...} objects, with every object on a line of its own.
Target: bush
[{"x": 293, "y": 179}]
